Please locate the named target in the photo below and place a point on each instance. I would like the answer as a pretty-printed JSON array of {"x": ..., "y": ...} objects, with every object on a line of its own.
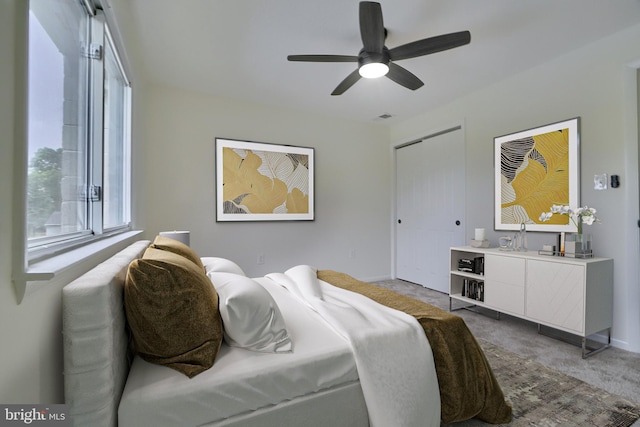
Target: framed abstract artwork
[
  {"x": 263, "y": 182},
  {"x": 535, "y": 169}
]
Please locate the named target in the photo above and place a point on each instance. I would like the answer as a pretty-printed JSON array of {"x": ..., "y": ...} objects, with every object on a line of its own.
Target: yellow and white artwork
[
  {"x": 261, "y": 182},
  {"x": 536, "y": 169}
]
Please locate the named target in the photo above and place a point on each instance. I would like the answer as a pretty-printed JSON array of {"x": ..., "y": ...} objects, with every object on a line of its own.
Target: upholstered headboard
[{"x": 96, "y": 344}]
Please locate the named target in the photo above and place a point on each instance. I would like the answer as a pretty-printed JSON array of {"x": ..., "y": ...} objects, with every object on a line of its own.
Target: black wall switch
[{"x": 615, "y": 181}]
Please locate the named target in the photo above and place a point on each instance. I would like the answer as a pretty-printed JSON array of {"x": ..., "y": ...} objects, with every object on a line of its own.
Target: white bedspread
[
  {"x": 393, "y": 356},
  {"x": 241, "y": 381}
]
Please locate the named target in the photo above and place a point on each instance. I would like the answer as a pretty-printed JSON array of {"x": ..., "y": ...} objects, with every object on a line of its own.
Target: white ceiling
[{"x": 238, "y": 48}]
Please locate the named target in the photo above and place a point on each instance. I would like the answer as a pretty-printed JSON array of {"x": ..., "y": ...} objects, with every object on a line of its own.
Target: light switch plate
[{"x": 600, "y": 182}]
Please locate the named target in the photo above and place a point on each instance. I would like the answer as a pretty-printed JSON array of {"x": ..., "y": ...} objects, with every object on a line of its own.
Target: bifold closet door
[{"x": 430, "y": 207}]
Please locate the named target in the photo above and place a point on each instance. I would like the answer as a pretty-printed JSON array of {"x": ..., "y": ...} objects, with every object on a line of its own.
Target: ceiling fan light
[{"x": 373, "y": 70}]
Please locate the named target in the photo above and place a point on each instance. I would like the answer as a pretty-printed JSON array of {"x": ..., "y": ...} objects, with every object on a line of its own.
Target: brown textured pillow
[
  {"x": 177, "y": 247},
  {"x": 172, "y": 311}
]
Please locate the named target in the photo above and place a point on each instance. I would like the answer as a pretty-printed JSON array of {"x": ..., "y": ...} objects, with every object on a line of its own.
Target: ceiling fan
[{"x": 376, "y": 60}]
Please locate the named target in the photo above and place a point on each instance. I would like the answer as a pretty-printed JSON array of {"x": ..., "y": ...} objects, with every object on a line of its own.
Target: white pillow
[
  {"x": 250, "y": 317},
  {"x": 221, "y": 264}
]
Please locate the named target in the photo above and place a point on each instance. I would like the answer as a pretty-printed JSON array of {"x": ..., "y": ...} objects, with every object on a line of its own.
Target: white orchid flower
[
  {"x": 579, "y": 216},
  {"x": 545, "y": 216}
]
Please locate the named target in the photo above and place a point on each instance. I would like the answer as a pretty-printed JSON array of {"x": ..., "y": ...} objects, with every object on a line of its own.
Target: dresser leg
[
  {"x": 590, "y": 353},
  {"x": 586, "y": 351}
]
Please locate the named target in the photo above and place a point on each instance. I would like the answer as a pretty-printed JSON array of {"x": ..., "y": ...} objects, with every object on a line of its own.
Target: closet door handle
[{"x": 458, "y": 222}]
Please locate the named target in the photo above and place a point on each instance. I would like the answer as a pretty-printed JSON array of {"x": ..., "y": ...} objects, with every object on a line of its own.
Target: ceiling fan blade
[
  {"x": 430, "y": 45},
  {"x": 371, "y": 26},
  {"x": 403, "y": 77},
  {"x": 323, "y": 58},
  {"x": 349, "y": 81}
]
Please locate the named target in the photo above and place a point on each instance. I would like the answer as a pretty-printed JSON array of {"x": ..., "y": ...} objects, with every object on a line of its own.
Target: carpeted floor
[{"x": 614, "y": 370}]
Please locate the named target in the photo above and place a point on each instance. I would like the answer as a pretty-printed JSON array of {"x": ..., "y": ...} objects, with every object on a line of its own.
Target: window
[
  {"x": 116, "y": 135},
  {"x": 78, "y": 129},
  {"x": 57, "y": 121}
]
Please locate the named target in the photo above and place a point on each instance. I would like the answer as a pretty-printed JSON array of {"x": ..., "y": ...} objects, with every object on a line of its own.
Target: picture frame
[
  {"x": 257, "y": 181},
  {"x": 535, "y": 169}
]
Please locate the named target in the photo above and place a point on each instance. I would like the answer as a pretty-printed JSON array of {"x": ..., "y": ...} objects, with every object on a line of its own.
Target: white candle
[{"x": 479, "y": 234}]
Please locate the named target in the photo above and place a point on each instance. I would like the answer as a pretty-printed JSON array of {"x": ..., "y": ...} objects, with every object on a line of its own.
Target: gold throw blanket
[{"x": 468, "y": 387}]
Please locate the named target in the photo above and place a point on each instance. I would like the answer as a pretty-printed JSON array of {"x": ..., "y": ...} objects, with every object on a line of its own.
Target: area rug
[{"x": 541, "y": 396}]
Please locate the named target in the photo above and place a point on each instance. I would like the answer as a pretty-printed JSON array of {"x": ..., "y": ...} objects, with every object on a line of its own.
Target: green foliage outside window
[{"x": 44, "y": 196}]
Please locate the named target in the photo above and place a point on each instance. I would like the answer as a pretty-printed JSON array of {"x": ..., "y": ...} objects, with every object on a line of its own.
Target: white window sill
[{"x": 63, "y": 268}]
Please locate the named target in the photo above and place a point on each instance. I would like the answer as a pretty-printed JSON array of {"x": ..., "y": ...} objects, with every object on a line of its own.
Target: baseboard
[
  {"x": 374, "y": 278},
  {"x": 624, "y": 345},
  {"x": 617, "y": 343}
]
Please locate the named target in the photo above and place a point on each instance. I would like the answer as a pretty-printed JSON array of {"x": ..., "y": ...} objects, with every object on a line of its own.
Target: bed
[{"x": 312, "y": 365}]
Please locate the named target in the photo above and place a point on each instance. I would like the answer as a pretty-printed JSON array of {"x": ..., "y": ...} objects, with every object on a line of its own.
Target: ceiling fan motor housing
[{"x": 365, "y": 57}]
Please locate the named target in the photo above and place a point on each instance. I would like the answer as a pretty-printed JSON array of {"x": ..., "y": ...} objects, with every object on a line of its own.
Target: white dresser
[{"x": 568, "y": 294}]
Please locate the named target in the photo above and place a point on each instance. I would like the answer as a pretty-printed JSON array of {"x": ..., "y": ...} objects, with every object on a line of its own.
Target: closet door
[{"x": 430, "y": 206}]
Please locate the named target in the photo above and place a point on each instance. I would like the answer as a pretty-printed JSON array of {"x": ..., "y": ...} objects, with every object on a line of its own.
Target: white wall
[
  {"x": 596, "y": 84},
  {"x": 352, "y": 184}
]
